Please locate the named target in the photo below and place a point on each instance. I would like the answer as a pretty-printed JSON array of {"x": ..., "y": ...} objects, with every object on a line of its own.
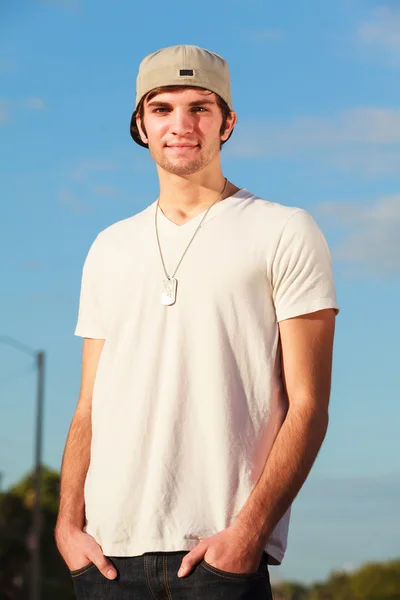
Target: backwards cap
[{"x": 182, "y": 65}]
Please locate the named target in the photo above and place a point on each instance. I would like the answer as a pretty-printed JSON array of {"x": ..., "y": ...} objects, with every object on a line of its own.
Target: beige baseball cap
[{"x": 182, "y": 65}]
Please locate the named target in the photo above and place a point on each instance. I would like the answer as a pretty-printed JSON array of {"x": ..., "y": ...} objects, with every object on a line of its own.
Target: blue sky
[{"x": 315, "y": 86}]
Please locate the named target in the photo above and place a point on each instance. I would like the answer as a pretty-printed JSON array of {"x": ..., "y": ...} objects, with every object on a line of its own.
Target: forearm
[
  {"x": 74, "y": 469},
  {"x": 285, "y": 471}
]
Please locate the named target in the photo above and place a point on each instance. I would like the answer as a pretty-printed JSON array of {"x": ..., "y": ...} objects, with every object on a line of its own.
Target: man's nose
[{"x": 182, "y": 122}]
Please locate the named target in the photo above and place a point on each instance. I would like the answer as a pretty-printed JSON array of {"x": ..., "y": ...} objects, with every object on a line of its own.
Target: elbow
[
  {"x": 314, "y": 415},
  {"x": 319, "y": 422}
]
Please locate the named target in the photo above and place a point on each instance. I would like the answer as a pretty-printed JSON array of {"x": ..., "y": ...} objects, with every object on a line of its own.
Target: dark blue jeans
[{"x": 153, "y": 576}]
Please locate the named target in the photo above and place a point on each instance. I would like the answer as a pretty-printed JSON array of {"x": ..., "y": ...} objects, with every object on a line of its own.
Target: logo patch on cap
[{"x": 186, "y": 73}]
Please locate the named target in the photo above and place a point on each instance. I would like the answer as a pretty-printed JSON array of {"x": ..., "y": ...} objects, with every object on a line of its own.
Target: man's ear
[
  {"x": 230, "y": 124},
  {"x": 143, "y": 136}
]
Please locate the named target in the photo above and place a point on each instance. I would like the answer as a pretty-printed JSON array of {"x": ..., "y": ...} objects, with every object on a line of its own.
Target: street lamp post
[
  {"x": 37, "y": 507},
  {"x": 35, "y": 574}
]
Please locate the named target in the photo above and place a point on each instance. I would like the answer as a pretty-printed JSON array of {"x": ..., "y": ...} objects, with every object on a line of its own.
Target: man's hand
[
  {"x": 227, "y": 550},
  {"x": 79, "y": 549}
]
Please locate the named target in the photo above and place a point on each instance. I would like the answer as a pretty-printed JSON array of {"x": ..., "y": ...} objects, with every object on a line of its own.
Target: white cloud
[
  {"x": 366, "y": 139},
  {"x": 7, "y": 66},
  {"x": 262, "y": 36},
  {"x": 69, "y": 5},
  {"x": 380, "y": 35},
  {"x": 8, "y": 106},
  {"x": 31, "y": 265},
  {"x": 383, "y": 30},
  {"x": 364, "y": 125},
  {"x": 85, "y": 168},
  {"x": 368, "y": 162},
  {"x": 33, "y": 103},
  {"x": 76, "y": 205},
  {"x": 106, "y": 190},
  {"x": 370, "y": 242},
  {"x": 82, "y": 179}
]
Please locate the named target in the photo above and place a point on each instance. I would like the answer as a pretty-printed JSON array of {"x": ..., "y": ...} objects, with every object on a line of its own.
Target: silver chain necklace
[{"x": 169, "y": 285}]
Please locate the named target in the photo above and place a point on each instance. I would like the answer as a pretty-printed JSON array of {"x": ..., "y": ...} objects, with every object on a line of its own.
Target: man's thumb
[
  {"x": 191, "y": 559},
  {"x": 105, "y": 567}
]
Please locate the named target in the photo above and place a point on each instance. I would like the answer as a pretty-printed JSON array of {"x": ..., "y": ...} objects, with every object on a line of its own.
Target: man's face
[{"x": 183, "y": 130}]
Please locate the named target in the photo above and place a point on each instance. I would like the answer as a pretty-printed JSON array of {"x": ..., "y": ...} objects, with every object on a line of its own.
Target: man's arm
[
  {"x": 76, "y": 547},
  {"x": 76, "y": 456},
  {"x": 307, "y": 344}
]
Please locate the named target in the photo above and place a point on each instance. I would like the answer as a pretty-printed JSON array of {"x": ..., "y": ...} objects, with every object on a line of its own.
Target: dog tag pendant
[{"x": 168, "y": 291}]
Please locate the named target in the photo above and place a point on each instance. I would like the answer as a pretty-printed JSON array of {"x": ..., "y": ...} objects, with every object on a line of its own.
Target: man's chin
[{"x": 181, "y": 167}]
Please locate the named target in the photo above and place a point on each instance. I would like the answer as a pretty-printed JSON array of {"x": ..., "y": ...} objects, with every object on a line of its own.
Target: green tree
[
  {"x": 376, "y": 581},
  {"x": 294, "y": 591},
  {"x": 15, "y": 526},
  {"x": 14, "y": 556},
  {"x": 49, "y": 490},
  {"x": 337, "y": 587}
]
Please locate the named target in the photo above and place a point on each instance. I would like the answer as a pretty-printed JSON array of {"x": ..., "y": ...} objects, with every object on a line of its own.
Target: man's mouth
[{"x": 183, "y": 145}]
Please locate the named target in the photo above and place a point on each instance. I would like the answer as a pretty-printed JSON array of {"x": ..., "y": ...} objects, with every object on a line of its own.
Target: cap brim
[{"x": 134, "y": 134}]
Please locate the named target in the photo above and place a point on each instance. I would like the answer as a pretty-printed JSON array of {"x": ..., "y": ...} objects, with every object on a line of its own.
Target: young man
[{"x": 208, "y": 325}]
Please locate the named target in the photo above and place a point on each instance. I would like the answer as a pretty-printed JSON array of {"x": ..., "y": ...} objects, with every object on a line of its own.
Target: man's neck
[{"x": 182, "y": 199}]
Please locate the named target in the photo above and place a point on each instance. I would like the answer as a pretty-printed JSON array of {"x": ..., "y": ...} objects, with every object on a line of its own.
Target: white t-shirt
[{"x": 188, "y": 398}]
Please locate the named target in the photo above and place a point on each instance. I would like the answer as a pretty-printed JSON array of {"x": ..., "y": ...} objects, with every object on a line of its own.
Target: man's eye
[{"x": 163, "y": 110}]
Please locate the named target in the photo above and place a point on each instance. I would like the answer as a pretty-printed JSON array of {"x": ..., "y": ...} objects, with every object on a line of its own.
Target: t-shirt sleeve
[
  {"x": 90, "y": 317},
  {"x": 302, "y": 276}
]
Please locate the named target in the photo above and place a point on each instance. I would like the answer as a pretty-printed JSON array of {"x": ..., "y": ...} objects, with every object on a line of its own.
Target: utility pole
[
  {"x": 37, "y": 506},
  {"x": 35, "y": 536}
]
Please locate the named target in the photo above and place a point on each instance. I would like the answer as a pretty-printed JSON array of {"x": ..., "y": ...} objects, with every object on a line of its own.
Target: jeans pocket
[
  {"x": 228, "y": 574},
  {"x": 82, "y": 570}
]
